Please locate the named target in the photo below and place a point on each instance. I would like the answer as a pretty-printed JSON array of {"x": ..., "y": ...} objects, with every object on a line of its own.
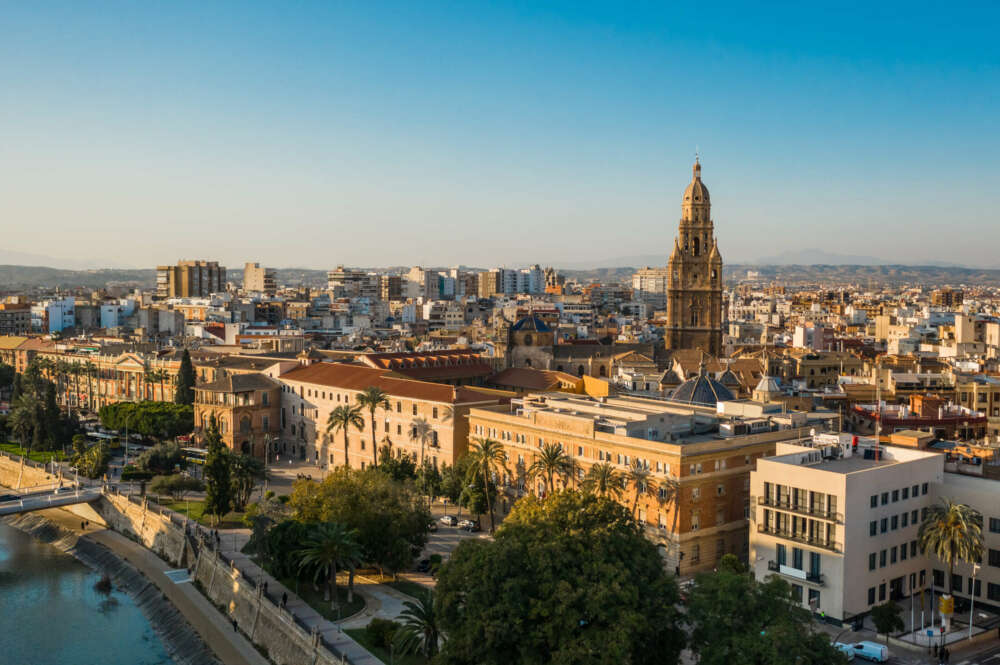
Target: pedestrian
[
  {"x": 947, "y": 655},
  {"x": 265, "y": 587},
  {"x": 284, "y": 598},
  {"x": 236, "y": 626}
]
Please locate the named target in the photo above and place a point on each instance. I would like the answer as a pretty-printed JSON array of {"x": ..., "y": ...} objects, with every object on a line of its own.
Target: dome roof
[
  {"x": 702, "y": 389},
  {"x": 696, "y": 192},
  {"x": 531, "y": 322},
  {"x": 768, "y": 385}
]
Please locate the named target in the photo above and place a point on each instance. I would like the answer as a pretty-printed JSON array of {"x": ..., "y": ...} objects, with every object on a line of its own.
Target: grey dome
[{"x": 702, "y": 389}]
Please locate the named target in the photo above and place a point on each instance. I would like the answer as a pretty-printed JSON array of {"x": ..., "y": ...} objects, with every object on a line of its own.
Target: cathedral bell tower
[{"x": 694, "y": 276}]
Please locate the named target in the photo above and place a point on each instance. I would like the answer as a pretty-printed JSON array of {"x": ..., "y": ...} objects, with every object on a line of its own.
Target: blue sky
[{"x": 376, "y": 133}]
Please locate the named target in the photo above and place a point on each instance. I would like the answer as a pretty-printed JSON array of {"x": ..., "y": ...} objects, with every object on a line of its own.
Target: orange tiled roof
[{"x": 359, "y": 377}]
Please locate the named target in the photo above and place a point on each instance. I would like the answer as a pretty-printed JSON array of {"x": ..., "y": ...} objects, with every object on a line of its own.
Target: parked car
[
  {"x": 845, "y": 649},
  {"x": 468, "y": 525},
  {"x": 873, "y": 651},
  {"x": 424, "y": 565},
  {"x": 432, "y": 526},
  {"x": 450, "y": 520}
]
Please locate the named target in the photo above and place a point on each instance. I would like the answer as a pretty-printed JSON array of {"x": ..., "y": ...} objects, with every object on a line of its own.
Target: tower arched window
[{"x": 697, "y": 245}]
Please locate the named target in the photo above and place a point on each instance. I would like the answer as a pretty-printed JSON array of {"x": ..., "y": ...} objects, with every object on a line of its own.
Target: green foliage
[
  {"x": 397, "y": 467},
  {"x": 245, "y": 471},
  {"x": 390, "y": 518},
  {"x": 329, "y": 547},
  {"x": 373, "y": 398},
  {"x": 161, "y": 459},
  {"x": 152, "y": 419},
  {"x": 453, "y": 478},
  {"x": 132, "y": 472},
  {"x": 92, "y": 462},
  {"x": 381, "y": 632},
  {"x": 886, "y": 618},
  {"x": 176, "y": 486},
  {"x": 420, "y": 631},
  {"x": 735, "y": 620},
  {"x": 218, "y": 476},
  {"x": 184, "y": 394},
  {"x": 342, "y": 419},
  {"x": 952, "y": 532},
  {"x": 7, "y": 375},
  {"x": 79, "y": 443},
  {"x": 568, "y": 580},
  {"x": 277, "y": 546},
  {"x": 429, "y": 480}
]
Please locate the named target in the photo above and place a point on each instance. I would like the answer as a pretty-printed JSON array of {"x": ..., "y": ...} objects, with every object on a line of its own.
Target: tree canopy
[
  {"x": 161, "y": 420},
  {"x": 390, "y": 518},
  {"x": 568, "y": 580},
  {"x": 184, "y": 394},
  {"x": 736, "y": 620}
]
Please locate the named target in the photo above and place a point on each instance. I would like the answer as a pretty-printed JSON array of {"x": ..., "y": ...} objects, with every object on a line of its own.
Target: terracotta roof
[
  {"x": 359, "y": 377},
  {"x": 238, "y": 383},
  {"x": 530, "y": 379}
]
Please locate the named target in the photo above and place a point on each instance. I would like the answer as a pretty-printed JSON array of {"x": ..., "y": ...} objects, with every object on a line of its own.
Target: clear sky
[{"x": 377, "y": 133}]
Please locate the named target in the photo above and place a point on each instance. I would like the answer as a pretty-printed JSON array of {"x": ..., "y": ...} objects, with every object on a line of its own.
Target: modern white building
[{"x": 839, "y": 522}]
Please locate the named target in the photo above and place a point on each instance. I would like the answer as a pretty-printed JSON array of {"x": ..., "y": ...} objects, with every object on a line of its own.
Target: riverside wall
[{"x": 272, "y": 629}]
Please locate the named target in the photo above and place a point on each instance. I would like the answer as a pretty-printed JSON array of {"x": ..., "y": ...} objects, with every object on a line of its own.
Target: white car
[
  {"x": 466, "y": 524},
  {"x": 450, "y": 520},
  {"x": 873, "y": 651}
]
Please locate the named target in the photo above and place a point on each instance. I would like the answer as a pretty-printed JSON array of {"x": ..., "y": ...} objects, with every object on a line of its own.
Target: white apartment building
[{"x": 840, "y": 525}]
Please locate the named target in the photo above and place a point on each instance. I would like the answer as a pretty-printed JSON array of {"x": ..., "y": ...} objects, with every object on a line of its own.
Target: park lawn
[
  {"x": 361, "y": 637},
  {"x": 35, "y": 455},
  {"x": 232, "y": 520},
  {"x": 408, "y": 587},
  {"x": 314, "y": 599}
]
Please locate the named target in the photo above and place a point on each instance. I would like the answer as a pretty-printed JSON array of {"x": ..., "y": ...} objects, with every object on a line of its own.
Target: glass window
[
  {"x": 939, "y": 578},
  {"x": 956, "y": 583},
  {"x": 913, "y": 548},
  {"x": 895, "y": 522},
  {"x": 884, "y": 524},
  {"x": 895, "y": 496},
  {"x": 993, "y": 591},
  {"x": 906, "y": 493},
  {"x": 874, "y": 500},
  {"x": 871, "y": 595},
  {"x": 994, "y": 558},
  {"x": 872, "y": 528},
  {"x": 924, "y": 487},
  {"x": 902, "y": 552},
  {"x": 782, "y": 554},
  {"x": 885, "y": 498},
  {"x": 904, "y": 520},
  {"x": 892, "y": 555},
  {"x": 797, "y": 593},
  {"x": 994, "y": 525},
  {"x": 881, "y": 559},
  {"x": 881, "y": 592},
  {"x": 915, "y": 491},
  {"x": 871, "y": 561}
]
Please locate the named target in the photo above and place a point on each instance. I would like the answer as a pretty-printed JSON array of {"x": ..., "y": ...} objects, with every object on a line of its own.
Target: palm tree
[
  {"x": 330, "y": 547},
  {"x": 642, "y": 482},
  {"x": 372, "y": 398},
  {"x": 550, "y": 462},
  {"x": 90, "y": 370},
  {"x": 343, "y": 418},
  {"x": 489, "y": 458},
  {"x": 421, "y": 430},
  {"x": 419, "y": 630},
  {"x": 602, "y": 479},
  {"x": 148, "y": 377},
  {"x": 23, "y": 418},
  {"x": 953, "y": 532}
]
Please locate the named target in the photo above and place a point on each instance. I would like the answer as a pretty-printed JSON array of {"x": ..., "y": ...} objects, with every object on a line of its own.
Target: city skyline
[{"x": 455, "y": 134}]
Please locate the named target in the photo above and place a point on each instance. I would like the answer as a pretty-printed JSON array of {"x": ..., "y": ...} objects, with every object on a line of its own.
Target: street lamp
[{"x": 972, "y": 596}]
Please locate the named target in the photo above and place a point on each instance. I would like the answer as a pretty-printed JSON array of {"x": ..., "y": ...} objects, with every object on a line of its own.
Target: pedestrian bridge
[{"x": 53, "y": 499}]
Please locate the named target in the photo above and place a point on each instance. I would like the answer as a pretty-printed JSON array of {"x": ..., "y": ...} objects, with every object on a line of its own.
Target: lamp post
[{"x": 972, "y": 596}]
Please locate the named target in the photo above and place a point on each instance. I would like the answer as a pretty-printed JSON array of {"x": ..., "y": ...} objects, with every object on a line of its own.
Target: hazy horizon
[{"x": 494, "y": 133}]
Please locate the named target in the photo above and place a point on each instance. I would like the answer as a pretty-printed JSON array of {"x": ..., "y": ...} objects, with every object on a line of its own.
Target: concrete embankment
[{"x": 181, "y": 641}]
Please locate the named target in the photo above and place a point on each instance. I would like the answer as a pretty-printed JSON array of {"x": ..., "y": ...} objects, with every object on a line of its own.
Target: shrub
[{"x": 381, "y": 632}]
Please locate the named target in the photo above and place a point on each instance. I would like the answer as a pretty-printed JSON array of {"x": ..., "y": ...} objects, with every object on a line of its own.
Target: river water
[{"x": 50, "y": 613}]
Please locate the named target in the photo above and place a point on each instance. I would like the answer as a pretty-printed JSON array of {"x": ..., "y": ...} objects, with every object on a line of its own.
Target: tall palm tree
[
  {"x": 343, "y": 418},
  {"x": 330, "y": 547},
  {"x": 160, "y": 376},
  {"x": 372, "y": 398},
  {"x": 75, "y": 369},
  {"x": 551, "y": 461},
  {"x": 602, "y": 479},
  {"x": 642, "y": 482},
  {"x": 489, "y": 458},
  {"x": 953, "y": 532},
  {"x": 420, "y": 630},
  {"x": 148, "y": 377},
  {"x": 421, "y": 430}
]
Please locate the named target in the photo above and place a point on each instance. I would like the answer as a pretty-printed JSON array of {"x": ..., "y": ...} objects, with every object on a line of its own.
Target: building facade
[
  {"x": 190, "y": 279},
  {"x": 694, "y": 276},
  {"x": 258, "y": 279}
]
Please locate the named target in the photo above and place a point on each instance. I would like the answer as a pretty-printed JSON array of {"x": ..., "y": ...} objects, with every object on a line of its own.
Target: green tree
[
  {"x": 453, "y": 478},
  {"x": 343, "y": 418},
  {"x": 398, "y": 467},
  {"x": 390, "y": 518},
  {"x": 7, "y": 375},
  {"x": 330, "y": 547},
  {"x": 487, "y": 457},
  {"x": 23, "y": 420},
  {"x": 567, "y": 580},
  {"x": 177, "y": 486},
  {"x": 218, "y": 479},
  {"x": 51, "y": 418},
  {"x": 952, "y": 532},
  {"x": 551, "y": 461},
  {"x": 886, "y": 619},
  {"x": 419, "y": 631},
  {"x": 92, "y": 462},
  {"x": 421, "y": 430},
  {"x": 184, "y": 394},
  {"x": 163, "y": 458},
  {"x": 373, "y": 398},
  {"x": 642, "y": 482},
  {"x": 246, "y": 471},
  {"x": 735, "y": 620},
  {"x": 603, "y": 480}
]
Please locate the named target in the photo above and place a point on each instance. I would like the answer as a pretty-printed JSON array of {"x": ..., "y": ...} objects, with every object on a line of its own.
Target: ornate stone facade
[{"x": 694, "y": 280}]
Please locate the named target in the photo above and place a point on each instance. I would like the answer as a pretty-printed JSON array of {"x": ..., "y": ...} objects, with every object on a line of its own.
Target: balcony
[
  {"x": 796, "y": 574},
  {"x": 768, "y": 502},
  {"x": 822, "y": 543}
]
